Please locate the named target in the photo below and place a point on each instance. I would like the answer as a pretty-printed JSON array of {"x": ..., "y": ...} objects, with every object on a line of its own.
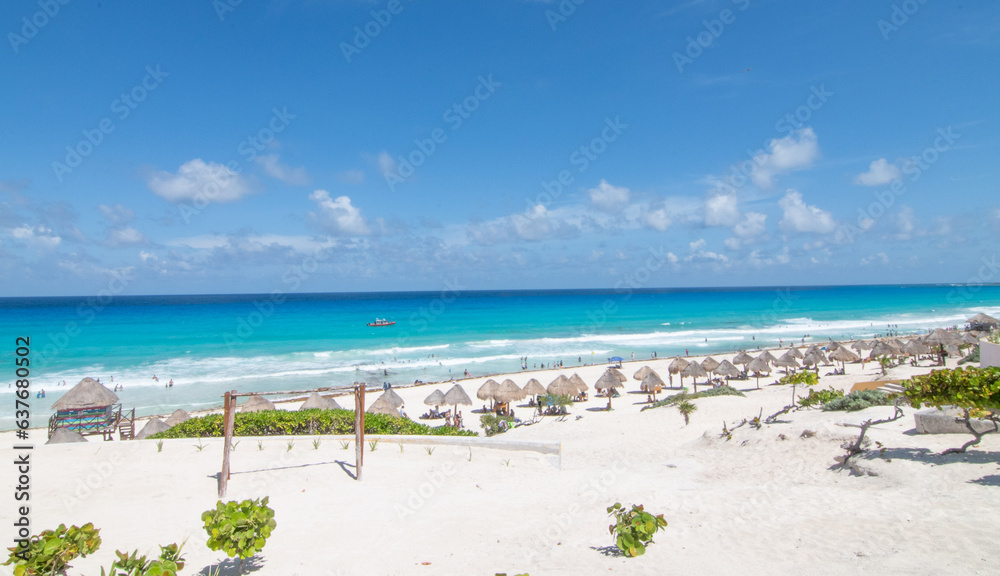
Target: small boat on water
[{"x": 382, "y": 322}]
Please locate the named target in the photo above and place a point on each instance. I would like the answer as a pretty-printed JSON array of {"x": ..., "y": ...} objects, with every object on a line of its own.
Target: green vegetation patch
[
  {"x": 304, "y": 423},
  {"x": 684, "y": 396},
  {"x": 859, "y": 400}
]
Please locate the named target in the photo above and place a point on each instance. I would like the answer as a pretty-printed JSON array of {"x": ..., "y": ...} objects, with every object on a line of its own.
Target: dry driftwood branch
[
  {"x": 967, "y": 418},
  {"x": 856, "y": 448}
]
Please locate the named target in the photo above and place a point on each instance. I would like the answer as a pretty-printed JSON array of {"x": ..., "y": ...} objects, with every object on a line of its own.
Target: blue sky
[{"x": 200, "y": 147}]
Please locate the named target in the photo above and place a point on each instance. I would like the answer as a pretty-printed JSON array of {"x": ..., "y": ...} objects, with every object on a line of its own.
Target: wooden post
[
  {"x": 227, "y": 434},
  {"x": 359, "y": 429}
]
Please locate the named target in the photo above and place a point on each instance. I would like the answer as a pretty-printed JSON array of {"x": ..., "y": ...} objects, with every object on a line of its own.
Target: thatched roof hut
[
  {"x": 457, "y": 396},
  {"x": 677, "y": 365},
  {"x": 844, "y": 354},
  {"x": 743, "y": 358},
  {"x": 795, "y": 353},
  {"x": 257, "y": 404},
  {"x": 487, "y": 390},
  {"x": 534, "y": 388},
  {"x": 766, "y": 356},
  {"x": 883, "y": 349},
  {"x": 641, "y": 373},
  {"x": 508, "y": 391},
  {"x": 727, "y": 369},
  {"x": 983, "y": 322},
  {"x": 88, "y": 394},
  {"x": 787, "y": 361},
  {"x": 562, "y": 386},
  {"x": 435, "y": 399},
  {"x": 608, "y": 381},
  {"x": 651, "y": 382},
  {"x": 317, "y": 402},
  {"x": 65, "y": 436},
  {"x": 694, "y": 370},
  {"x": 177, "y": 417},
  {"x": 384, "y": 405},
  {"x": 581, "y": 386},
  {"x": 710, "y": 364},
  {"x": 393, "y": 398},
  {"x": 618, "y": 374},
  {"x": 153, "y": 426}
]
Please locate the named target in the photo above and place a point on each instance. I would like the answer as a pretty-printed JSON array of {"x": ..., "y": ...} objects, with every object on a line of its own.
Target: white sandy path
[{"x": 752, "y": 505}]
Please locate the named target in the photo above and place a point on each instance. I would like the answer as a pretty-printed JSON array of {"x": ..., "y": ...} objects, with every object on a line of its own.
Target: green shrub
[
  {"x": 686, "y": 408},
  {"x": 169, "y": 563},
  {"x": 821, "y": 397},
  {"x": 682, "y": 396},
  {"x": 239, "y": 528},
  {"x": 802, "y": 377},
  {"x": 963, "y": 387},
  {"x": 51, "y": 551},
  {"x": 634, "y": 529},
  {"x": 859, "y": 400},
  {"x": 971, "y": 358},
  {"x": 308, "y": 422},
  {"x": 491, "y": 423}
]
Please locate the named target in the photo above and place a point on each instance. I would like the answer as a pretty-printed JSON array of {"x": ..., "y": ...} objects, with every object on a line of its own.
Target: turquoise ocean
[{"x": 210, "y": 344}]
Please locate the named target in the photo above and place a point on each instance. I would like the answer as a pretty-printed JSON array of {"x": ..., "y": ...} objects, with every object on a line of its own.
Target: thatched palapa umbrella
[
  {"x": 710, "y": 364},
  {"x": 456, "y": 397},
  {"x": 983, "y": 322},
  {"x": 534, "y": 388},
  {"x": 916, "y": 348},
  {"x": 651, "y": 383},
  {"x": 435, "y": 399},
  {"x": 883, "y": 349},
  {"x": 487, "y": 390},
  {"x": 843, "y": 354},
  {"x": 317, "y": 402},
  {"x": 257, "y": 404},
  {"x": 618, "y": 374},
  {"x": 581, "y": 386},
  {"x": 641, "y": 373},
  {"x": 787, "y": 361},
  {"x": 177, "y": 417},
  {"x": 383, "y": 405},
  {"x": 795, "y": 353},
  {"x": 507, "y": 392},
  {"x": 608, "y": 382},
  {"x": 676, "y": 367},
  {"x": 813, "y": 359},
  {"x": 562, "y": 386},
  {"x": 694, "y": 370},
  {"x": 759, "y": 366},
  {"x": 742, "y": 359},
  {"x": 65, "y": 436},
  {"x": 727, "y": 369},
  {"x": 153, "y": 426}
]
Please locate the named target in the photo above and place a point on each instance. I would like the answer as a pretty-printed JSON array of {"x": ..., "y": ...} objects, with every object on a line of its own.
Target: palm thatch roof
[
  {"x": 534, "y": 388},
  {"x": 87, "y": 394},
  {"x": 694, "y": 370},
  {"x": 941, "y": 336},
  {"x": 393, "y": 398},
  {"x": 651, "y": 382},
  {"x": 487, "y": 390},
  {"x": 844, "y": 354},
  {"x": 562, "y": 386},
  {"x": 710, "y": 364},
  {"x": 383, "y": 405},
  {"x": 66, "y": 436},
  {"x": 177, "y": 417},
  {"x": 795, "y": 353},
  {"x": 759, "y": 366},
  {"x": 863, "y": 345},
  {"x": 915, "y": 348},
  {"x": 257, "y": 404},
  {"x": 618, "y": 374},
  {"x": 982, "y": 322},
  {"x": 436, "y": 398},
  {"x": 457, "y": 396},
  {"x": 508, "y": 391},
  {"x": 833, "y": 345},
  {"x": 766, "y": 356},
  {"x": 786, "y": 360},
  {"x": 677, "y": 365},
  {"x": 727, "y": 369},
  {"x": 742, "y": 358},
  {"x": 317, "y": 402},
  {"x": 153, "y": 426},
  {"x": 579, "y": 383},
  {"x": 641, "y": 373},
  {"x": 607, "y": 381},
  {"x": 883, "y": 349},
  {"x": 969, "y": 339},
  {"x": 812, "y": 359}
]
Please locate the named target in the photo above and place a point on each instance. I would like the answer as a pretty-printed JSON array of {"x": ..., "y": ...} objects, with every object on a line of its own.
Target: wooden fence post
[
  {"x": 227, "y": 434},
  {"x": 359, "y": 429}
]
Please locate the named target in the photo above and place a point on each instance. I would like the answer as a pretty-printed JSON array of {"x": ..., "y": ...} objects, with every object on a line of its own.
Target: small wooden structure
[
  {"x": 229, "y": 425},
  {"x": 89, "y": 408}
]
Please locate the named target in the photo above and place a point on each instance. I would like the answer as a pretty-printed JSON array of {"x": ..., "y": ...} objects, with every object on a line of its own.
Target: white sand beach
[{"x": 765, "y": 502}]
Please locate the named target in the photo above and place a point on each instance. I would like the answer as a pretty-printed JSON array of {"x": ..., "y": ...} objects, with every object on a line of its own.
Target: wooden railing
[{"x": 102, "y": 421}]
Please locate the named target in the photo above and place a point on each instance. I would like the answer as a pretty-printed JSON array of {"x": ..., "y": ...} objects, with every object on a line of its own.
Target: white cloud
[
  {"x": 722, "y": 210},
  {"x": 534, "y": 224},
  {"x": 879, "y": 173},
  {"x": 800, "y": 217},
  {"x": 126, "y": 236},
  {"x": 117, "y": 214},
  {"x": 672, "y": 258},
  {"x": 352, "y": 177},
  {"x": 386, "y": 163},
  {"x": 879, "y": 258},
  {"x": 657, "y": 219},
  {"x": 339, "y": 215},
  {"x": 275, "y": 169},
  {"x": 732, "y": 243},
  {"x": 795, "y": 151},
  {"x": 36, "y": 236},
  {"x": 782, "y": 257},
  {"x": 752, "y": 226},
  {"x": 608, "y": 197},
  {"x": 906, "y": 223},
  {"x": 699, "y": 255},
  {"x": 206, "y": 181},
  {"x": 246, "y": 243}
]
